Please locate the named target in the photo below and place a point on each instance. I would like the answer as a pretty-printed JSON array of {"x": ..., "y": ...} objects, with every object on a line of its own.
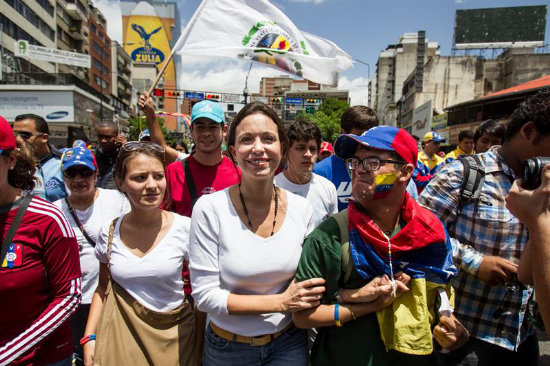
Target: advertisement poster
[
  {"x": 53, "y": 106},
  {"x": 146, "y": 39},
  {"x": 422, "y": 119}
]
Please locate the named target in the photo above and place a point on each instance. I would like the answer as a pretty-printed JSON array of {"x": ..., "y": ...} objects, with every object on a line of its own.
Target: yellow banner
[{"x": 146, "y": 41}]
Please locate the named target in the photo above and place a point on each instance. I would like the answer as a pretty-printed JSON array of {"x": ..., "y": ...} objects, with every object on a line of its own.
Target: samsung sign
[
  {"x": 53, "y": 105},
  {"x": 57, "y": 115}
]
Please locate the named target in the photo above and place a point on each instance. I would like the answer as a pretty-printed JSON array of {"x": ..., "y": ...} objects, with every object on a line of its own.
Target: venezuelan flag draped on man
[{"x": 259, "y": 31}]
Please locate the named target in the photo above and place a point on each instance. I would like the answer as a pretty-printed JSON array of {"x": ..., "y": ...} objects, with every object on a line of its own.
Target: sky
[{"x": 362, "y": 28}]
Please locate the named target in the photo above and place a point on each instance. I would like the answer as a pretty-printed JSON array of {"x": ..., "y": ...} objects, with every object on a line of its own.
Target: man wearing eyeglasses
[
  {"x": 35, "y": 131},
  {"x": 385, "y": 260},
  {"x": 429, "y": 163}
]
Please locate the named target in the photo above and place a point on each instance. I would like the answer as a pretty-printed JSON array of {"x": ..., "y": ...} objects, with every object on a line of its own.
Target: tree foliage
[
  {"x": 138, "y": 124},
  {"x": 327, "y": 118}
]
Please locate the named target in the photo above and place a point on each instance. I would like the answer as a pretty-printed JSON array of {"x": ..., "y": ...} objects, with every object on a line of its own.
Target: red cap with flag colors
[
  {"x": 7, "y": 138},
  {"x": 381, "y": 138}
]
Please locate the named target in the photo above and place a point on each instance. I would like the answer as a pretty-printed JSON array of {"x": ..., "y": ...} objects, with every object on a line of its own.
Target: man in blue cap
[
  {"x": 429, "y": 162},
  {"x": 385, "y": 259}
]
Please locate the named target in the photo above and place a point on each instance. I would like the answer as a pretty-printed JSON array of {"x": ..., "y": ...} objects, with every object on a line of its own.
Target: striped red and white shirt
[{"x": 39, "y": 286}]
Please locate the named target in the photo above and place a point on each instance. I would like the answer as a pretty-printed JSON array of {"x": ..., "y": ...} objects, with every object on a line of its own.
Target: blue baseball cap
[
  {"x": 433, "y": 136},
  {"x": 386, "y": 138},
  {"x": 208, "y": 109},
  {"x": 78, "y": 156}
]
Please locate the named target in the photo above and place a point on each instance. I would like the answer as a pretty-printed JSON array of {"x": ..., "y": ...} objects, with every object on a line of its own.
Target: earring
[{"x": 12, "y": 167}]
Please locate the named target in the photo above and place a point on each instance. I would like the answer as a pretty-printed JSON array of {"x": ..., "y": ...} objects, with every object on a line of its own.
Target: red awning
[{"x": 533, "y": 84}]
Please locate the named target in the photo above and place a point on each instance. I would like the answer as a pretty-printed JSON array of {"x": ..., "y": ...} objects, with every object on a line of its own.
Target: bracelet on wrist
[
  {"x": 350, "y": 308},
  {"x": 337, "y": 315},
  {"x": 86, "y": 339}
]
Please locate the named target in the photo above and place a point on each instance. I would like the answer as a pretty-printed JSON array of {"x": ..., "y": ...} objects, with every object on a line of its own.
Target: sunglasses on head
[
  {"x": 82, "y": 171},
  {"x": 143, "y": 145}
]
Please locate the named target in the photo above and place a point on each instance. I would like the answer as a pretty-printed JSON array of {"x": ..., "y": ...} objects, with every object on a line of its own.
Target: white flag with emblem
[{"x": 258, "y": 30}]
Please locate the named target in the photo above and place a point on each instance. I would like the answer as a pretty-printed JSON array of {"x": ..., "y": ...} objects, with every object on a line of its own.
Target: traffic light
[
  {"x": 277, "y": 100},
  {"x": 212, "y": 96},
  {"x": 312, "y": 101},
  {"x": 172, "y": 93},
  {"x": 310, "y": 110},
  {"x": 158, "y": 92}
]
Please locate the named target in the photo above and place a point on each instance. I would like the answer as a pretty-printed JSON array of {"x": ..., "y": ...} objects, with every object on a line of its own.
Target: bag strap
[
  {"x": 14, "y": 225},
  {"x": 190, "y": 182},
  {"x": 346, "y": 261},
  {"x": 80, "y": 226},
  {"x": 110, "y": 242},
  {"x": 472, "y": 181}
]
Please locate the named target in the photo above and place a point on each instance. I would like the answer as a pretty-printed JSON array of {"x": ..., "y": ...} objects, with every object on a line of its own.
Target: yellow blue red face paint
[{"x": 384, "y": 185}]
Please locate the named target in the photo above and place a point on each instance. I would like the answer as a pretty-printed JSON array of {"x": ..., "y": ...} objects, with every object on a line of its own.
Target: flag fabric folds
[{"x": 259, "y": 31}]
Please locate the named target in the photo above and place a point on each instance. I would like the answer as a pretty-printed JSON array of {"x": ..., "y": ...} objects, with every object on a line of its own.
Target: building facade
[{"x": 394, "y": 66}]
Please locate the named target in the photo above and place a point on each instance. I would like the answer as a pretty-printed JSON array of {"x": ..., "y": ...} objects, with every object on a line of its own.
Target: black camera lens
[{"x": 532, "y": 172}]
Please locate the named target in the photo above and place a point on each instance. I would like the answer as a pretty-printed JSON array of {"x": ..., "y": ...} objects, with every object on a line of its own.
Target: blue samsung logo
[{"x": 57, "y": 115}]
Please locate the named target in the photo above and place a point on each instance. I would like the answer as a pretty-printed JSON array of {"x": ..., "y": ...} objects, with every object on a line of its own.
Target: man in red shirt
[{"x": 208, "y": 170}]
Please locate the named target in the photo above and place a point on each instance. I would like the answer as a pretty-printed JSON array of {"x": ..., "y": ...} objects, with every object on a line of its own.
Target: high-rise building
[
  {"x": 101, "y": 75},
  {"x": 33, "y": 21},
  {"x": 394, "y": 65},
  {"x": 73, "y": 33}
]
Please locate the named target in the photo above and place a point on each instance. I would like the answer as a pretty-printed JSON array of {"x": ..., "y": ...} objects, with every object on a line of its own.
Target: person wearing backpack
[
  {"x": 386, "y": 262},
  {"x": 488, "y": 241}
]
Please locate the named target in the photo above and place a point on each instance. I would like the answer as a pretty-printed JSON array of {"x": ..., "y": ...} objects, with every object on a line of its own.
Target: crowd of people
[{"x": 282, "y": 250}]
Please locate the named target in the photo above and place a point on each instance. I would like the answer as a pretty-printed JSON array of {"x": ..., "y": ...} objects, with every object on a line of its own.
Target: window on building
[{"x": 31, "y": 16}]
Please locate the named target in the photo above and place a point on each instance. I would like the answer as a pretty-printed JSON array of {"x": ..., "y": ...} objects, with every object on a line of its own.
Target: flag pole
[{"x": 159, "y": 75}]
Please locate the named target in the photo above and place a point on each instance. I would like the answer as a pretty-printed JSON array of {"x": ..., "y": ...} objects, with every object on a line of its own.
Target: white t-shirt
[
  {"x": 154, "y": 280},
  {"x": 225, "y": 256},
  {"x": 319, "y": 191},
  {"x": 108, "y": 205}
]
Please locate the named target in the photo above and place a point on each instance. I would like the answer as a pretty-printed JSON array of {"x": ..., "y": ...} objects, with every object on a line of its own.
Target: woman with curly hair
[{"x": 40, "y": 269}]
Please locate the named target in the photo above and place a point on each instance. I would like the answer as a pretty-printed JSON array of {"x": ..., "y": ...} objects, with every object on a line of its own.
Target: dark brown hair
[
  {"x": 303, "y": 130},
  {"x": 258, "y": 108},
  {"x": 358, "y": 117},
  {"x": 534, "y": 109},
  {"x": 22, "y": 175},
  {"x": 491, "y": 127}
]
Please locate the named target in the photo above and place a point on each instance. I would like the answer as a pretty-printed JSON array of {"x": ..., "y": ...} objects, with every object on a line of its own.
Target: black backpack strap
[
  {"x": 14, "y": 225},
  {"x": 472, "y": 180},
  {"x": 190, "y": 182}
]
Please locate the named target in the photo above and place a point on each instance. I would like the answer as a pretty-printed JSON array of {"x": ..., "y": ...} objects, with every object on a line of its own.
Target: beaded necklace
[
  {"x": 387, "y": 236},
  {"x": 276, "y": 198}
]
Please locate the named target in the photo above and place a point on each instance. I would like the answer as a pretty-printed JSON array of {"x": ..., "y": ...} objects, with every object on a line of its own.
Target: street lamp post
[
  {"x": 364, "y": 63},
  {"x": 245, "y": 91},
  {"x": 103, "y": 73}
]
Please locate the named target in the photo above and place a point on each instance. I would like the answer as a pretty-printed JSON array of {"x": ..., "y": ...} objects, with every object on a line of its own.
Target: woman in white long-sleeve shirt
[{"x": 245, "y": 243}]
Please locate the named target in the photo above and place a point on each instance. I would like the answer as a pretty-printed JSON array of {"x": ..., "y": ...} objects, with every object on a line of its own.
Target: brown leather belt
[{"x": 253, "y": 341}]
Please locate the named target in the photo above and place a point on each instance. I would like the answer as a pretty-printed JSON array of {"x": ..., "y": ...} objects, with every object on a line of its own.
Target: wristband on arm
[
  {"x": 86, "y": 339},
  {"x": 337, "y": 315}
]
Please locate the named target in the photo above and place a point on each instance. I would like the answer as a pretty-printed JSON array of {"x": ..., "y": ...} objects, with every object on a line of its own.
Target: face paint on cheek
[{"x": 384, "y": 185}]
